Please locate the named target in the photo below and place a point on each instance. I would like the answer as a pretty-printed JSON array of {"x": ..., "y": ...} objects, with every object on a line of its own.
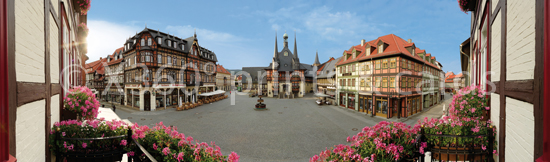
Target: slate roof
[
  {"x": 253, "y": 71},
  {"x": 330, "y": 67},
  {"x": 187, "y": 42}
]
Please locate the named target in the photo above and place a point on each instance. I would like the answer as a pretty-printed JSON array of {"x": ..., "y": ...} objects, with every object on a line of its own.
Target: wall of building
[
  {"x": 520, "y": 131},
  {"x": 29, "y": 130},
  {"x": 29, "y": 36},
  {"x": 520, "y": 40}
]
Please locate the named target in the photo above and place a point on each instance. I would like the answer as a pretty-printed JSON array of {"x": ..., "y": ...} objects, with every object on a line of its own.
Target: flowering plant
[
  {"x": 382, "y": 142},
  {"x": 469, "y": 102},
  {"x": 82, "y": 101},
  {"x": 466, "y": 117},
  {"x": 83, "y": 5},
  {"x": 167, "y": 144},
  {"x": 88, "y": 129},
  {"x": 464, "y": 5},
  {"x": 83, "y": 27}
]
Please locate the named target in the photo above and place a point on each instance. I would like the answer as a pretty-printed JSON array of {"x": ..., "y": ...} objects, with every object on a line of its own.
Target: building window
[
  {"x": 159, "y": 40},
  {"x": 353, "y": 68},
  {"x": 377, "y": 64},
  {"x": 159, "y": 58},
  {"x": 409, "y": 65},
  {"x": 183, "y": 47},
  {"x": 409, "y": 83},
  {"x": 393, "y": 63},
  {"x": 353, "y": 82},
  {"x": 368, "y": 51},
  {"x": 403, "y": 82},
  {"x": 182, "y": 62},
  {"x": 349, "y": 82},
  {"x": 142, "y": 42},
  {"x": 385, "y": 82},
  {"x": 378, "y": 79},
  {"x": 169, "y": 60},
  {"x": 368, "y": 83},
  {"x": 385, "y": 63},
  {"x": 367, "y": 66},
  {"x": 362, "y": 82},
  {"x": 169, "y": 43},
  {"x": 175, "y": 45},
  {"x": 381, "y": 48},
  {"x": 392, "y": 82},
  {"x": 149, "y": 42},
  {"x": 174, "y": 61}
]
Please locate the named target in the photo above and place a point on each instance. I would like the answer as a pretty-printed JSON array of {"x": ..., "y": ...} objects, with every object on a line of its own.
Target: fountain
[{"x": 260, "y": 105}]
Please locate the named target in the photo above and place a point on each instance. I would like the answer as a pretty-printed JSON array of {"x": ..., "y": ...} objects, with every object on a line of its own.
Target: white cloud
[
  {"x": 105, "y": 37},
  {"x": 203, "y": 34},
  {"x": 322, "y": 22}
]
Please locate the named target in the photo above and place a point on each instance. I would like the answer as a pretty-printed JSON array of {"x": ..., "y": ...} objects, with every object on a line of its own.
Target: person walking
[{"x": 114, "y": 108}]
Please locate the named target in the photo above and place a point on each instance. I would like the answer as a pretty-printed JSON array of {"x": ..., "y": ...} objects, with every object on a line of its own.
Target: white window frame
[
  {"x": 142, "y": 42},
  {"x": 159, "y": 40}
]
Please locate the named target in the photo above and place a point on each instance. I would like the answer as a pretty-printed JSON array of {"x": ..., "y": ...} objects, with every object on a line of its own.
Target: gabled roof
[
  {"x": 220, "y": 69},
  {"x": 395, "y": 45},
  {"x": 330, "y": 67},
  {"x": 253, "y": 71},
  {"x": 96, "y": 65}
]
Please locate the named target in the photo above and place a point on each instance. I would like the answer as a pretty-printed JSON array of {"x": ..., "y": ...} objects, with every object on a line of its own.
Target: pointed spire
[
  {"x": 316, "y": 63},
  {"x": 275, "y": 55},
  {"x": 195, "y": 35}
]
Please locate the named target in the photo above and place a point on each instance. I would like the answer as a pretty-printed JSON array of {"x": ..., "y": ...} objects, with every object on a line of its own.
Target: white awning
[
  {"x": 212, "y": 93},
  {"x": 321, "y": 95}
]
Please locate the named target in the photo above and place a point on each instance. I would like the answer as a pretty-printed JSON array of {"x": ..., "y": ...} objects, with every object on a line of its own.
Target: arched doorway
[{"x": 147, "y": 99}]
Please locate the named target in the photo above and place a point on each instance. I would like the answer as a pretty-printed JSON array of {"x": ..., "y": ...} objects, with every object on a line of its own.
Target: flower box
[{"x": 92, "y": 140}]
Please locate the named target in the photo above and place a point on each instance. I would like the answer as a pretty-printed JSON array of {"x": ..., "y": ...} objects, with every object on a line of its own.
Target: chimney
[
  {"x": 409, "y": 40},
  {"x": 100, "y": 58},
  {"x": 362, "y": 42}
]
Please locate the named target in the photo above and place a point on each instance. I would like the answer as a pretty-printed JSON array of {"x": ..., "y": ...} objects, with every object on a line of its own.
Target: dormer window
[
  {"x": 413, "y": 52},
  {"x": 175, "y": 45},
  {"x": 368, "y": 51},
  {"x": 183, "y": 47},
  {"x": 159, "y": 40},
  {"x": 381, "y": 48},
  {"x": 142, "y": 42},
  {"x": 169, "y": 43},
  {"x": 149, "y": 42}
]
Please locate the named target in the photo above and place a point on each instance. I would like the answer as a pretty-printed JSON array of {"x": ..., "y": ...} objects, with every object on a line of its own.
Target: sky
[{"x": 242, "y": 33}]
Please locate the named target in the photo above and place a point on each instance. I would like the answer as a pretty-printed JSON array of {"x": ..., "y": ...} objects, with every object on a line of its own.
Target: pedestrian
[{"x": 114, "y": 108}]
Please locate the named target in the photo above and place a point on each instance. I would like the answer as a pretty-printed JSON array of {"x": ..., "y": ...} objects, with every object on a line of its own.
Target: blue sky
[{"x": 242, "y": 33}]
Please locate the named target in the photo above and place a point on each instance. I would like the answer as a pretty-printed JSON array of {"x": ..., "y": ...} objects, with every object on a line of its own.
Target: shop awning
[
  {"x": 212, "y": 93},
  {"x": 321, "y": 95}
]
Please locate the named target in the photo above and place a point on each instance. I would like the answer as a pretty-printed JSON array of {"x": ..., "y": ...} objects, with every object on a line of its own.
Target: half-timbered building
[
  {"x": 508, "y": 54},
  {"x": 384, "y": 77},
  {"x": 42, "y": 52},
  {"x": 162, "y": 70},
  {"x": 114, "y": 77}
]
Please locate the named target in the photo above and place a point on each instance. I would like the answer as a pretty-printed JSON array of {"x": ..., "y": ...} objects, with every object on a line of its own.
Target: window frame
[
  {"x": 392, "y": 82},
  {"x": 393, "y": 63},
  {"x": 384, "y": 82},
  {"x": 377, "y": 65}
]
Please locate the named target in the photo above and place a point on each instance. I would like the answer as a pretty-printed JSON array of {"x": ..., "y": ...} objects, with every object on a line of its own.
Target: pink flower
[
  {"x": 483, "y": 147},
  {"x": 495, "y": 152},
  {"x": 63, "y": 134},
  {"x": 123, "y": 142},
  {"x": 180, "y": 156},
  {"x": 233, "y": 157},
  {"x": 155, "y": 146},
  {"x": 166, "y": 151},
  {"x": 131, "y": 153},
  {"x": 84, "y": 145},
  {"x": 487, "y": 108},
  {"x": 473, "y": 110}
]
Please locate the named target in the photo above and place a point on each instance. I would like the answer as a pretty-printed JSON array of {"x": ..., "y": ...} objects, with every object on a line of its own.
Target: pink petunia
[
  {"x": 166, "y": 151},
  {"x": 123, "y": 142},
  {"x": 84, "y": 145}
]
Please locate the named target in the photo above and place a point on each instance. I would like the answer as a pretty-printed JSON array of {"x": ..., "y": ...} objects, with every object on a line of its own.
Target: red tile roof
[
  {"x": 221, "y": 69},
  {"x": 408, "y": 44},
  {"x": 395, "y": 45}
]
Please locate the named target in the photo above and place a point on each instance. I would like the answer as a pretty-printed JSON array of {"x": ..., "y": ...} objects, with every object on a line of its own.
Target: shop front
[
  {"x": 351, "y": 101},
  {"x": 365, "y": 104},
  {"x": 381, "y": 107},
  {"x": 343, "y": 99}
]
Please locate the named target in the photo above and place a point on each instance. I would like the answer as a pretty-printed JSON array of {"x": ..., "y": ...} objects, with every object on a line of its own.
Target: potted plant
[
  {"x": 83, "y": 6},
  {"x": 467, "y": 5},
  {"x": 82, "y": 102},
  {"x": 74, "y": 140},
  {"x": 167, "y": 144},
  {"x": 382, "y": 142},
  {"x": 466, "y": 128}
]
